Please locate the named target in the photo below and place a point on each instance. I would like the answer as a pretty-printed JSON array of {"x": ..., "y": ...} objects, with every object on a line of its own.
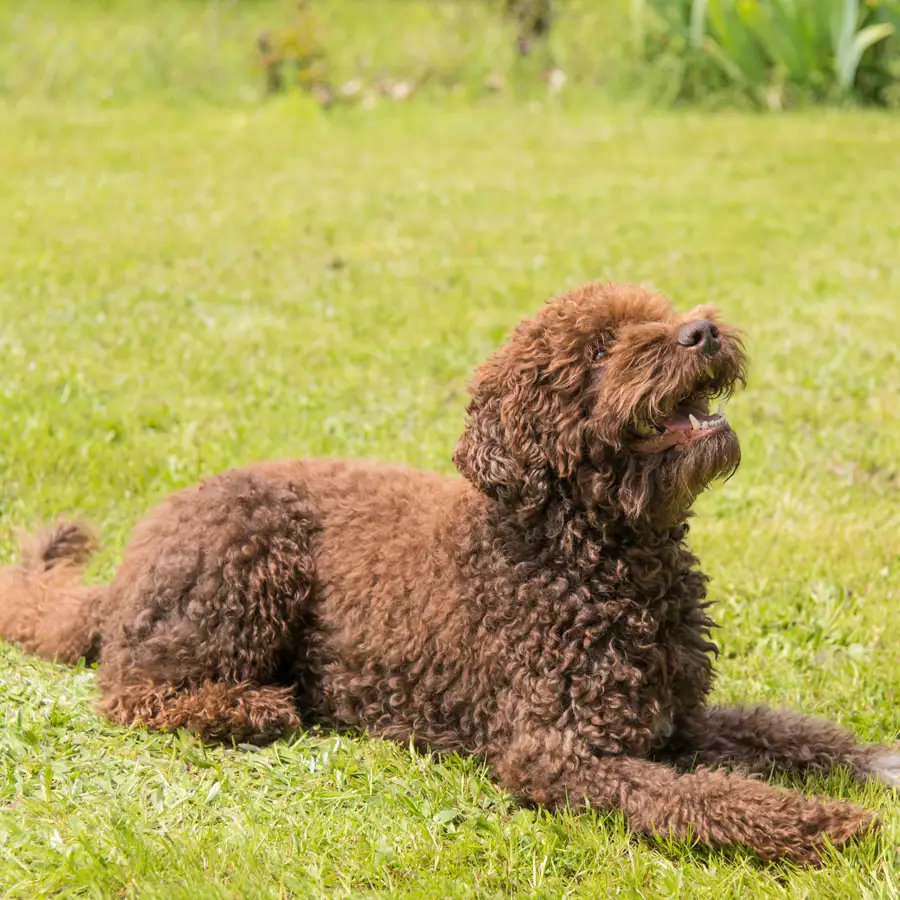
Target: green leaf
[
  {"x": 698, "y": 22},
  {"x": 848, "y": 61},
  {"x": 734, "y": 46},
  {"x": 638, "y": 20},
  {"x": 448, "y": 814}
]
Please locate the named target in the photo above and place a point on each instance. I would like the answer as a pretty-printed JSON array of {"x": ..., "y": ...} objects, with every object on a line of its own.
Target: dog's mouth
[{"x": 690, "y": 423}]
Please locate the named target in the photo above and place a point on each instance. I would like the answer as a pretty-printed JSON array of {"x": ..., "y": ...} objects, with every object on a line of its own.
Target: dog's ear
[
  {"x": 523, "y": 430},
  {"x": 500, "y": 458}
]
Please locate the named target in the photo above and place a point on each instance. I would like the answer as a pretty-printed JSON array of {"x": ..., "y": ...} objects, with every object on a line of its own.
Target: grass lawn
[{"x": 188, "y": 285}]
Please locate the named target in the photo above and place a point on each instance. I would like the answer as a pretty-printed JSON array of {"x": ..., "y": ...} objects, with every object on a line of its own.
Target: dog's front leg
[
  {"x": 760, "y": 739},
  {"x": 556, "y": 769}
]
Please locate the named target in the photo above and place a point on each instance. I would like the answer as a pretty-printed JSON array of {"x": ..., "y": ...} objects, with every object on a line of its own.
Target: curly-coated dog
[{"x": 544, "y": 613}]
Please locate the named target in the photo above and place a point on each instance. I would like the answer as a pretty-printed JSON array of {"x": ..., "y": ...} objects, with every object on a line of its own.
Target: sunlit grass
[{"x": 186, "y": 287}]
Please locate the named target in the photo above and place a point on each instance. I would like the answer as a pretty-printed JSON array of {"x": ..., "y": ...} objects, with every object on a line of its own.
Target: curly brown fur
[
  {"x": 544, "y": 613},
  {"x": 43, "y": 605}
]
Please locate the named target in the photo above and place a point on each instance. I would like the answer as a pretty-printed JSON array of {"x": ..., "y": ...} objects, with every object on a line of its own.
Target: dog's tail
[{"x": 44, "y": 607}]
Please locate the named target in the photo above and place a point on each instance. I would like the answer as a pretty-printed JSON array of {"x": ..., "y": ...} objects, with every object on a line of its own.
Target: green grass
[{"x": 188, "y": 285}]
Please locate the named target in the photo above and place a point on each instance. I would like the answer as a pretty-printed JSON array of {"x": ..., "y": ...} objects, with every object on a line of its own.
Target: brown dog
[{"x": 545, "y": 613}]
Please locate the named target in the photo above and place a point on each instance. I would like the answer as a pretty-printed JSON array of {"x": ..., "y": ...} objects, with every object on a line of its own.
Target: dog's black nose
[{"x": 702, "y": 336}]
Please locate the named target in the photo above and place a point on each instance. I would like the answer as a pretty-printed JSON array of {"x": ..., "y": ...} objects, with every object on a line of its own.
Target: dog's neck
[{"x": 567, "y": 535}]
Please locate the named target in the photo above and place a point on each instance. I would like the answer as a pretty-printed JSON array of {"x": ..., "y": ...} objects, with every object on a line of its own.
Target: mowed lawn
[{"x": 185, "y": 288}]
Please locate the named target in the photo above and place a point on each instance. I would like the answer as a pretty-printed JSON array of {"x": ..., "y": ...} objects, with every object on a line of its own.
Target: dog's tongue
[
  {"x": 686, "y": 425},
  {"x": 691, "y": 419}
]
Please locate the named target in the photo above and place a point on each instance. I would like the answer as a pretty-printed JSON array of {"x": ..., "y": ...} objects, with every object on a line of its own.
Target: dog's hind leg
[
  {"x": 214, "y": 606},
  {"x": 213, "y": 710},
  {"x": 556, "y": 769},
  {"x": 762, "y": 740}
]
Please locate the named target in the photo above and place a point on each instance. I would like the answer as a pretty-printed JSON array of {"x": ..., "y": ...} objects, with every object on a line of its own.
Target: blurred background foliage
[
  {"x": 773, "y": 52},
  {"x": 750, "y": 53}
]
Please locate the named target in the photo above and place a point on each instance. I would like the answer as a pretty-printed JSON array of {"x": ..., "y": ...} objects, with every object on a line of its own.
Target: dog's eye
[{"x": 601, "y": 348}]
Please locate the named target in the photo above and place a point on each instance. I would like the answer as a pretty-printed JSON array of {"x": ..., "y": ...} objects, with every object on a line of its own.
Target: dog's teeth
[
  {"x": 719, "y": 410},
  {"x": 694, "y": 423}
]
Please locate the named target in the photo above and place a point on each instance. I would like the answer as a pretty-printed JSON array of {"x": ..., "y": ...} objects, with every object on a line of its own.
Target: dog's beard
[
  {"x": 696, "y": 466},
  {"x": 658, "y": 488},
  {"x": 663, "y": 486}
]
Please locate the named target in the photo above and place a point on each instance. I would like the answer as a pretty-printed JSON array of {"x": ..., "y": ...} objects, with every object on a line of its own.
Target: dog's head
[{"x": 608, "y": 396}]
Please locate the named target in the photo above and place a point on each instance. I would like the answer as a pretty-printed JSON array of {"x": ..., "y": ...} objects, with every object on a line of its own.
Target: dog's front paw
[
  {"x": 884, "y": 766},
  {"x": 831, "y": 824}
]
